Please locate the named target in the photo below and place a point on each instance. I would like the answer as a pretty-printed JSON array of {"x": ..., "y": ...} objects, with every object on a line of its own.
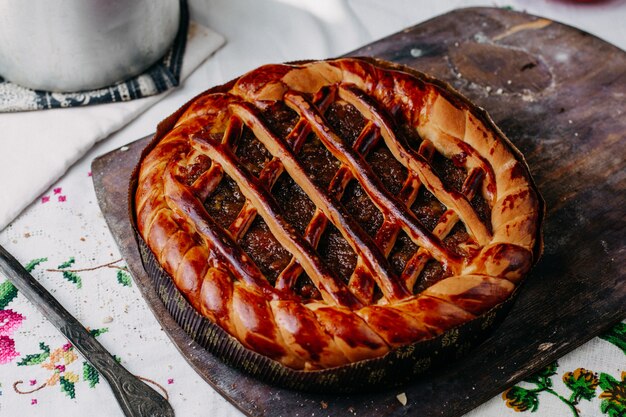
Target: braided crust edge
[{"x": 317, "y": 335}]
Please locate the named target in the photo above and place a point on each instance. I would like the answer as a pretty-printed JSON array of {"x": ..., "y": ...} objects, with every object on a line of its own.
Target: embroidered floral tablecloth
[
  {"x": 63, "y": 240},
  {"x": 76, "y": 259}
]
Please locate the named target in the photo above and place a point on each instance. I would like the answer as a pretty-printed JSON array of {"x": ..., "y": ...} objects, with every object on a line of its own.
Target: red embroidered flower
[
  {"x": 7, "y": 350},
  {"x": 45, "y": 199},
  {"x": 9, "y": 321},
  {"x": 62, "y": 198},
  {"x": 57, "y": 190}
]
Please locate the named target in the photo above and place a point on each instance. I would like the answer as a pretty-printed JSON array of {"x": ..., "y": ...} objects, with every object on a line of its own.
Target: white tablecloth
[{"x": 64, "y": 230}]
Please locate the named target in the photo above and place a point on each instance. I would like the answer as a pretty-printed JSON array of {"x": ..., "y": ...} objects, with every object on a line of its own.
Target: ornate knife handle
[{"x": 135, "y": 397}]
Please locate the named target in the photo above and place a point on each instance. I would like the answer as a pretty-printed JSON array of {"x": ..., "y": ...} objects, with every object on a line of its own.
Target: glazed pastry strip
[
  {"x": 386, "y": 203},
  {"x": 368, "y": 138},
  {"x": 390, "y": 285},
  {"x": 362, "y": 285},
  {"x": 208, "y": 181},
  {"x": 225, "y": 250},
  {"x": 469, "y": 153},
  {"x": 332, "y": 289},
  {"x": 274, "y": 168},
  {"x": 414, "y": 162},
  {"x": 447, "y": 221}
]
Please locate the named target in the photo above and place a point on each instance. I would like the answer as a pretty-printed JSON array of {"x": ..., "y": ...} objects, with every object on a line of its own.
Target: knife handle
[{"x": 135, "y": 397}]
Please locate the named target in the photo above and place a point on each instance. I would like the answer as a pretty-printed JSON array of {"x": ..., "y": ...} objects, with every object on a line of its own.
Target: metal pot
[{"x": 73, "y": 45}]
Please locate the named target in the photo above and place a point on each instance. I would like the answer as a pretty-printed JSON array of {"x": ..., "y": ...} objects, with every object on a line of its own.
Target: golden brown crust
[{"x": 348, "y": 324}]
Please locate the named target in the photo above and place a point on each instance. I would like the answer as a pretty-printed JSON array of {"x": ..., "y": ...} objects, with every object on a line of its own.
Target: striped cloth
[{"x": 161, "y": 76}]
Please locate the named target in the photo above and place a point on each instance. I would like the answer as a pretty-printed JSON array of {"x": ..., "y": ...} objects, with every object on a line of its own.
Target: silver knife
[{"x": 135, "y": 397}]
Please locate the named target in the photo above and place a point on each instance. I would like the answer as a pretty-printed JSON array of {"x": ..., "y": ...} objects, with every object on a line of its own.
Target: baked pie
[{"x": 330, "y": 212}]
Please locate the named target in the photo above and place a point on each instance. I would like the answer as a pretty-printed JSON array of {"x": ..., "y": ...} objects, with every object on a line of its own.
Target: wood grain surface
[{"x": 559, "y": 94}]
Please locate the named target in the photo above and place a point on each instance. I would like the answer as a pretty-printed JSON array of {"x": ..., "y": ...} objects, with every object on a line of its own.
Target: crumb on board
[
  {"x": 416, "y": 52},
  {"x": 402, "y": 398}
]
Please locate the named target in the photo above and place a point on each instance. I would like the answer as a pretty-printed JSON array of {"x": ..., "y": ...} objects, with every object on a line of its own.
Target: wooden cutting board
[{"x": 560, "y": 95}]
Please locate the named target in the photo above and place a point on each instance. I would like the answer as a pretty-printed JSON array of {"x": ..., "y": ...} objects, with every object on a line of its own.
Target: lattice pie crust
[{"x": 453, "y": 224}]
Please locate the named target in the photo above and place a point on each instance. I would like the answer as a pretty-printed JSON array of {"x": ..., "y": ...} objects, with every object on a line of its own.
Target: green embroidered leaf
[
  {"x": 123, "y": 278},
  {"x": 521, "y": 399},
  {"x": 117, "y": 359},
  {"x": 536, "y": 379},
  {"x": 98, "y": 332},
  {"x": 607, "y": 382},
  {"x": 73, "y": 277},
  {"x": 36, "y": 358},
  {"x": 542, "y": 377},
  {"x": 67, "y": 387},
  {"x": 7, "y": 293},
  {"x": 617, "y": 336},
  {"x": 32, "y": 264},
  {"x": 507, "y": 8},
  {"x": 604, "y": 407},
  {"x": 90, "y": 374},
  {"x": 549, "y": 370},
  {"x": 67, "y": 263},
  {"x": 612, "y": 409},
  {"x": 583, "y": 384},
  {"x": 613, "y": 396}
]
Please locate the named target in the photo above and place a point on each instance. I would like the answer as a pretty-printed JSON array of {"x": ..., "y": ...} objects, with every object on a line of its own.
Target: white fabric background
[{"x": 257, "y": 32}]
